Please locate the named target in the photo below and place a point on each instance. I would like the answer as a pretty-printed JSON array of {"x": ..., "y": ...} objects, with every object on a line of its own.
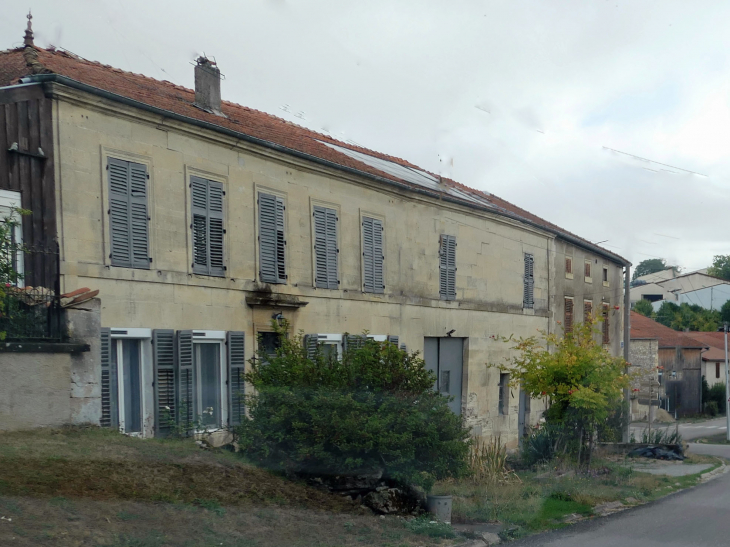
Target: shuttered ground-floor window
[{"x": 191, "y": 379}]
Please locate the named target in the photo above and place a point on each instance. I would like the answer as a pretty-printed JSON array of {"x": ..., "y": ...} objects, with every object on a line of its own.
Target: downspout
[{"x": 627, "y": 338}]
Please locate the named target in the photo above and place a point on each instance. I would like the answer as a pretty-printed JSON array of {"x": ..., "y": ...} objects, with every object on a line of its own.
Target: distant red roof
[
  {"x": 716, "y": 343},
  {"x": 642, "y": 327},
  {"x": 21, "y": 62}
]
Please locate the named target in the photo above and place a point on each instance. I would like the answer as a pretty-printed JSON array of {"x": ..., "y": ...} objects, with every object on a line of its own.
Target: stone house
[
  {"x": 200, "y": 221},
  {"x": 678, "y": 359}
]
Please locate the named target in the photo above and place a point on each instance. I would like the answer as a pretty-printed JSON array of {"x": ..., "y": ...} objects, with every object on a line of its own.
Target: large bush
[{"x": 373, "y": 409}]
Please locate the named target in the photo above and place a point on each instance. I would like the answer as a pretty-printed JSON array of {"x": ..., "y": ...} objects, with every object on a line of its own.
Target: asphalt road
[
  {"x": 699, "y": 516},
  {"x": 689, "y": 431}
]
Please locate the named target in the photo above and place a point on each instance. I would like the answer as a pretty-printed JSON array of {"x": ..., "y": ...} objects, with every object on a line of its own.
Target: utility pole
[
  {"x": 627, "y": 336},
  {"x": 727, "y": 388}
]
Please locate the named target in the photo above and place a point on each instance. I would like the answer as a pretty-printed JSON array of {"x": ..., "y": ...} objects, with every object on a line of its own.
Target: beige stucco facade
[{"x": 490, "y": 250}]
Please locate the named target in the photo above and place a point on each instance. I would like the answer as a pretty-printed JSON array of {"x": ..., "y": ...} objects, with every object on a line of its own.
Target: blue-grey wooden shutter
[
  {"x": 311, "y": 342},
  {"x": 271, "y": 239},
  {"x": 447, "y": 268},
  {"x": 403, "y": 347},
  {"x": 163, "y": 347},
  {"x": 393, "y": 339},
  {"x": 325, "y": 247},
  {"x": 529, "y": 282},
  {"x": 128, "y": 217},
  {"x": 207, "y": 226},
  {"x": 353, "y": 341},
  {"x": 235, "y": 344},
  {"x": 109, "y": 393},
  {"x": 139, "y": 220},
  {"x": 186, "y": 378},
  {"x": 372, "y": 239}
]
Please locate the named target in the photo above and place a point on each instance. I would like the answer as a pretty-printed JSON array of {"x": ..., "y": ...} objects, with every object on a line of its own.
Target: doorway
[
  {"x": 127, "y": 360},
  {"x": 445, "y": 358}
]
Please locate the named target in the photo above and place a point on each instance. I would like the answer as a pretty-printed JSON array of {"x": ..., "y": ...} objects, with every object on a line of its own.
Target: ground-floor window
[
  {"x": 127, "y": 359},
  {"x": 207, "y": 396}
]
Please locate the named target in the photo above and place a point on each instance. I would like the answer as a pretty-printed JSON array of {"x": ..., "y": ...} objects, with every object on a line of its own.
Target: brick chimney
[{"x": 208, "y": 86}]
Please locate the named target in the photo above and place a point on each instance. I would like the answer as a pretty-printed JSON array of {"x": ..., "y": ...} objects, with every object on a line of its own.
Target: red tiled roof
[
  {"x": 642, "y": 327},
  {"x": 21, "y": 62},
  {"x": 715, "y": 341}
]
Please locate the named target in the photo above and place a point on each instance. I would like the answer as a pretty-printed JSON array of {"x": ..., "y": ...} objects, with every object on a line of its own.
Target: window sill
[
  {"x": 589, "y": 280},
  {"x": 606, "y": 284},
  {"x": 568, "y": 275}
]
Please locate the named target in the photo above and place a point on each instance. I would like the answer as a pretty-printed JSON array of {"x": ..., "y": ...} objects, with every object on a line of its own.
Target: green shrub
[
  {"x": 712, "y": 409},
  {"x": 540, "y": 445},
  {"x": 716, "y": 394},
  {"x": 372, "y": 409}
]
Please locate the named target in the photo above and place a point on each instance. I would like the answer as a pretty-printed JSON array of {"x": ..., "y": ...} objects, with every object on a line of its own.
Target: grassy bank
[{"x": 95, "y": 487}]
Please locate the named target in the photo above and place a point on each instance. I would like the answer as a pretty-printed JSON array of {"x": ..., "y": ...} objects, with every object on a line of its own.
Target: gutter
[{"x": 64, "y": 80}]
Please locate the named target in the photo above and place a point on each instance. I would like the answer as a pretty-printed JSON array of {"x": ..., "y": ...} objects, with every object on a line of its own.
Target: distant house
[
  {"x": 678, "y": 360},
  {"x": 699, "y": 288},
  {"x": 713, "y": 358}
]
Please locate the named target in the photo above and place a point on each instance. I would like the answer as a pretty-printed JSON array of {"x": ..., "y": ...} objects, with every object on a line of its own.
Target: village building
[{"x": 200, "y": 221}]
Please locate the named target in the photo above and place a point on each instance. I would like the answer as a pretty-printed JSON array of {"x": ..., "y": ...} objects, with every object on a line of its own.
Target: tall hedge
[{"x": 373, "y": 409}]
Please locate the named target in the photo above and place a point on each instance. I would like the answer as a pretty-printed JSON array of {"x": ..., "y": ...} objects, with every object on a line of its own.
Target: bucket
[{"x": 440, "y": 507}]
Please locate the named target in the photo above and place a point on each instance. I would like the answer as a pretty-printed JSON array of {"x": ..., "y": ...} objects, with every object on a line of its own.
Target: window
[
  {"x": 272, "y": 243},
  {"x": 503, "y": 394},
  {"x": 372, "y": 255},
  {"x": 207, "y": 397},
  {"x": 568, "y": 319},
  {"x": 8, "y": 201},
  {"x": 528, "y": 287},
  {"x": 605, "y": 276},
  {"x": 328, "y": 345},
  {"x": 587, "y": 271},
  {"x": 269, "y": 342},
  {"x": 717, "y": 370},
  {"x": 200, "y": 377},
  {"x": 326, "y": 275},
  {"x": 207, "y": 226},
  {"x": 447, "y": 267},
  {"x": 569, "y": 267},
  {"x": 587, "y": 310},
  {"x": 128, "y": 220},
  {"x": 606, "y": 324}
]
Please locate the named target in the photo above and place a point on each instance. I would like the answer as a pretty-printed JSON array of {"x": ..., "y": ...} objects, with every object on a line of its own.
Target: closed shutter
[
  {"x": 207, "y": 226},
  {"x": 393, "y": 339},
  {"x": 403, "y": 347},
  {"x": 128, "y": 219},
  {"x": 271, "y": 239},
  {"x": 447, "y": 268},
  {"x": 372, "y": 255},
  {"x": 606, "y": 325},
  {"x": 528, "y": 298},
  {"x": 568, "y": 265},
  {"x": 163, "y": 347},
  {"x": 109, "y": 393},
  {"x": 310, "y": 345},
  {"x": 587, "y": 310},
  {"x": 325, "y": 248},
  {"x": 186, "y": 378},
  {"x": 568, "y": 322},
  {"x": 587, "y": 269},
  {"x": 235, "y": 344},
  {"x": 353, "y": 341}
]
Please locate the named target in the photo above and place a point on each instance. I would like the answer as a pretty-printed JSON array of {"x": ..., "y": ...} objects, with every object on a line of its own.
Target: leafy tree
[
  {"x": 582, "y": 382},
  {"x": 687, "y": 316},
  {"x": 373, "y": 409},
  {"x": 644, "y": 307},
  {"x": 720, "y": 267},
  {"x": 649, "y": 266},
  {"x": 9, "y": 249},
  {"x": 725, "y": 312}
]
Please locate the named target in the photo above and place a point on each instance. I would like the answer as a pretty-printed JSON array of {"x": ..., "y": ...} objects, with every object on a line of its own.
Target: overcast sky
[{"x": 520, "y": 99}]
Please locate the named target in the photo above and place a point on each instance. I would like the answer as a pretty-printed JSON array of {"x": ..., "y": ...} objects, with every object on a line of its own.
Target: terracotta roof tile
[
  {"x": 178, "y": 99},
  {"x": 642, "y": 327}
]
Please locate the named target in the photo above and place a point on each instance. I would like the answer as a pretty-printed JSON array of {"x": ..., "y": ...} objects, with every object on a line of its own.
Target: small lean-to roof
[
  {"x": 38, "y": 63},
  {"x": 642, "y": 328}
]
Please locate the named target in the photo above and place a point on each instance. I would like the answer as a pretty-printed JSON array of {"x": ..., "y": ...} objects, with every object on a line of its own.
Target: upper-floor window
[
  {"x": 207, "y": 226},
  {"x": 372, "y": 255},
  {"x": 587, "y": 310},
  {"x": 587, "y": 271},
  {"x": 272, "y": 241},
  {"x": 605, "y": 276},
  {"x": 326, "y": 275},
  {"x": 447, "y": 267},
  {"x": 569, "y": 267},
  {"x": 128, "y": 218},
  {"x": 528, "y": 285},
  {"x": 606, "y": 324},
  {"x": 568, "y": 315}
]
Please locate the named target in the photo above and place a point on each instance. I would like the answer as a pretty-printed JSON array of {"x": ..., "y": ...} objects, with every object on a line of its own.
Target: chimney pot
[{"x": 208, "y": 86}]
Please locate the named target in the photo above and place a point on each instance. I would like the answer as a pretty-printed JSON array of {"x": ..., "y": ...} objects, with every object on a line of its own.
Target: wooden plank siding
[{"x": 26, "y": 119}]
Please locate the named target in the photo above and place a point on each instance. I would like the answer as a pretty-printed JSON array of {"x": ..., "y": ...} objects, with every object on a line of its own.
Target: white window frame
[
  {"x": 9, "y": 199},
  {"x": 215, "y": 337},
  {"x": 144, "y": 336},
  {"x": 378, "y": 337},
  {"x": 331, "y": 340}
]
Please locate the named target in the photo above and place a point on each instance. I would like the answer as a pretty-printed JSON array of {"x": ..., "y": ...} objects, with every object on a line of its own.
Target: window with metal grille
[
  {"x": 272, "y": 242},
  {"x": 128, "y": 220},
  {"x": 568, "y": 319},
  {"x": 528, "y": 286},
  {"x": 207, "y": 226},
  {"x": 606, "y": 324},
  {"x": 326, "y": 275},
  {"x": 587, "y": 310},
  {"x": 503, "y": 407},
  {"x": 447, "y": 267},
  {"x": 372, "y": 255}
]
